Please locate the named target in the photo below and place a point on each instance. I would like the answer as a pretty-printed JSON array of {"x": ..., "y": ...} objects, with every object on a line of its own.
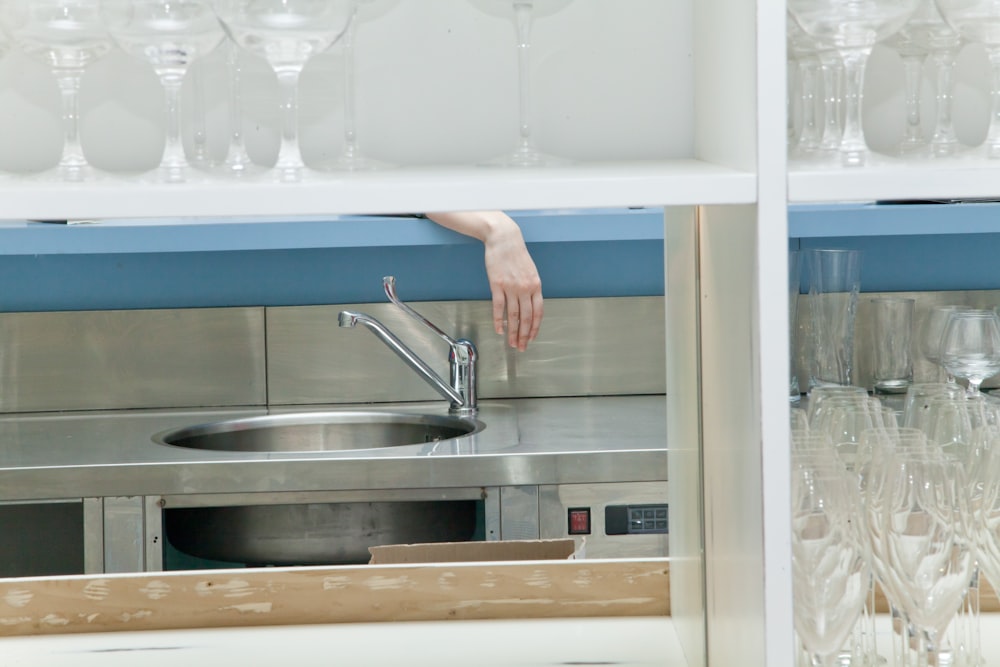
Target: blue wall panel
[{"x": 435, "y": 265}]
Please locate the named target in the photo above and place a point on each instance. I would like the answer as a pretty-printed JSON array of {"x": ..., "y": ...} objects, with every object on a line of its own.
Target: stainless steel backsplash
[{"x": 100, "y": 360}]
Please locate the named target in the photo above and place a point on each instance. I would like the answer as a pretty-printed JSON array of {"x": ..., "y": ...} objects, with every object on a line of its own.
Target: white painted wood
[
  {"x": 635, "y": 642},
  {"x": 882, "y": 179},
  {"x": 725, "y": 82},
  {"x": 731, "y": 436},
  {"x": 417, "y": 189},
  {"x": 687, "y": 591}
]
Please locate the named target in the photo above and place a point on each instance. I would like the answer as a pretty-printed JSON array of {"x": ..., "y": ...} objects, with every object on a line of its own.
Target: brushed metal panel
[
  {"x": 592, "y": 346},
  {"x": 554, "y": 502},
  {"x": 131, "y": 359}
]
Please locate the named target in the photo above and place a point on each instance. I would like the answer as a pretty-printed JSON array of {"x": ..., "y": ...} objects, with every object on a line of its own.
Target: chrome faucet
[{"x": 461, "y": 359}]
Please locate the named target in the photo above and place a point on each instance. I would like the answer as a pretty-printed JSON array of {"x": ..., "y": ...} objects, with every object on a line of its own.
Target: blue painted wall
[
  {"x": 170, "y": 264},
  {"x": 948, "y": 246}
]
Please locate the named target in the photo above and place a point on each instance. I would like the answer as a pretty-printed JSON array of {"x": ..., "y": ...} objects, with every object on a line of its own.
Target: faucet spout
[{"x": 350, "y": 319}]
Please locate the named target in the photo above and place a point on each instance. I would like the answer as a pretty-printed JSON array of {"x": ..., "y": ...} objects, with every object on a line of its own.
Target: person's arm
[{"x": 514, "y": 280}]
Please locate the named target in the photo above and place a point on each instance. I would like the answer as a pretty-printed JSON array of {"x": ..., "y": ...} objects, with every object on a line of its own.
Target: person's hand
[{"x": 514, "y": 281}]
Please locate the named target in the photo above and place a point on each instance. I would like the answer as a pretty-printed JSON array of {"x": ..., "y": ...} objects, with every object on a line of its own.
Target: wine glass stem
[
  {"x": 72, "y": 163},
  {"x": 523, "y": 18},
  {"x": 350, "y": 128},
  {"x": 173, "y": 163},
  {"x": 943, "y": 140},
  {"x": 913, "y": 73},
  {"x": 993, "y": 134},
  {"x": 972, "y": 391},
  {"x": 237, "y": 158},
  {"x": 832, "y": 70},
  {"x": 289, "y": 165},
  {"x": 199, "y": 133},
  {"x": 853, "y": 148}
]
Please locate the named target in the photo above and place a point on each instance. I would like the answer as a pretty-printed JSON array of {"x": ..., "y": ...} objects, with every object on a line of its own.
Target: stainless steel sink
[
  {"x": 321, "y": 431},
  {"x": 317, "y": 533}
]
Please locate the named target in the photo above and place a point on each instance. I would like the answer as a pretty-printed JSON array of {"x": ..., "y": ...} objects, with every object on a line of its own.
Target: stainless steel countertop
[{"x": 526, "y": 441}]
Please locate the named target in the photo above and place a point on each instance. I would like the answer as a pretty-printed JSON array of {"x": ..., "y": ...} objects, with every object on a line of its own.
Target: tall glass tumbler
[
  {"x": 794, "y": 280},
  {"x": 892, "y": 329},
  {"x": 834, "y": 284}
]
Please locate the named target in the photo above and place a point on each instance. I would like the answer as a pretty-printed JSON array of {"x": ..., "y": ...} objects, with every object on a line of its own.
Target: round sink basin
[{"x": 320, "y": 431}]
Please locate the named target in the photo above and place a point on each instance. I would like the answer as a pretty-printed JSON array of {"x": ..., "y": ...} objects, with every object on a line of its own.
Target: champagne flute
[
  {"x": 852, "y": 27},
  {"x": 67, "y": 35},
  {"x": 287, "y": 35},
  {"x": 170, "y": 35},
  {"x": 970, "y": 347}
]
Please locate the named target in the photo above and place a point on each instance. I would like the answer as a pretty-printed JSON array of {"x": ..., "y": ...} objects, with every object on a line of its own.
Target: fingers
[
  {"x": 499, "y": 306},
  {"x": 524, "y": 319}
]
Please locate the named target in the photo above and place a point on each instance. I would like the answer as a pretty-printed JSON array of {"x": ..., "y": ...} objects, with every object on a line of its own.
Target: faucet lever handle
[{"x": 389, "y": 284}]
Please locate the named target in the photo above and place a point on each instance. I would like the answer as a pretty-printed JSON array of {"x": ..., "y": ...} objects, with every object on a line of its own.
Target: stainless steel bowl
[
  {"x": 321, "y": 431},
  {"x": 317, "y": 533}
]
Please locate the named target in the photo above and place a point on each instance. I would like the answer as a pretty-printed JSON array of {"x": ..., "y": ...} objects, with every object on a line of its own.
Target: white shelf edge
[
  {"x": 660, "y": 183},
  {"x": 884, "y": 180}
]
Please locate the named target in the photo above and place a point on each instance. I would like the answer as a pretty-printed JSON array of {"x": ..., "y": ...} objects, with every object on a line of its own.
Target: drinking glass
[
  {"x": 67, "y": 35},
  {"x": 834, "y": 284},
  {"x": 852, "y": 27},
  {"x": 169, "y": 35},
  {"x": 892, "y": 326},
  {"x": 970, "y": 347},
  {"x": 286, "y": 34},
  {"x": 526, "y": 153},
  {"x": 794, "y": 286},
  {"x": 917, "y": 402},
  {"x": 830, "y": 572},
  {"x": 979, "y": 21}
]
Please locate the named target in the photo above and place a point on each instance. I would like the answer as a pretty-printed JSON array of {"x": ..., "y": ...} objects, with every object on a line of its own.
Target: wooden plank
[
  {"x": 988, "y": 600},
  {"x": 307, "y": 595}
]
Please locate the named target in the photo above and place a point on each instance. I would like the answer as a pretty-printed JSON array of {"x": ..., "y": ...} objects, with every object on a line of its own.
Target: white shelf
[
  {"x": 628, "y": 642},
  {"x": 887, "y": 179},
  {"x": 595, "y": 185}
]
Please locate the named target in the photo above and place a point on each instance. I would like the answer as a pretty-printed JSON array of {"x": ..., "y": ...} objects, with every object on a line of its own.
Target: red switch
[{"x": 579, "y": 521}]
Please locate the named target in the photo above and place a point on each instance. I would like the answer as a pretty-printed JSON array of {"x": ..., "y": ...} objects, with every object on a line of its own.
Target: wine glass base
[
  {"x": 354, "y": 163},
  {"x": 68, "y": 174},
  {"x": 527, "y": 157}
]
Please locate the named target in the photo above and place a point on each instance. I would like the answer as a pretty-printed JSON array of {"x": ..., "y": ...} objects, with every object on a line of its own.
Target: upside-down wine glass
[
  {"x": 970, "y": 347},
  {"x": 286, "y": 33},
  {"x": 830, "y": 570},
  {"x": 169, "y": 35},
  {"x": 979, "y": 21},
  {"x": 928, "y": 547},
  {"x": 852, "y": 27},
  {"x": 526, "y": 153},
  {"x": 930, "y": 32},
  {"x": 66, "y": 35}
]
